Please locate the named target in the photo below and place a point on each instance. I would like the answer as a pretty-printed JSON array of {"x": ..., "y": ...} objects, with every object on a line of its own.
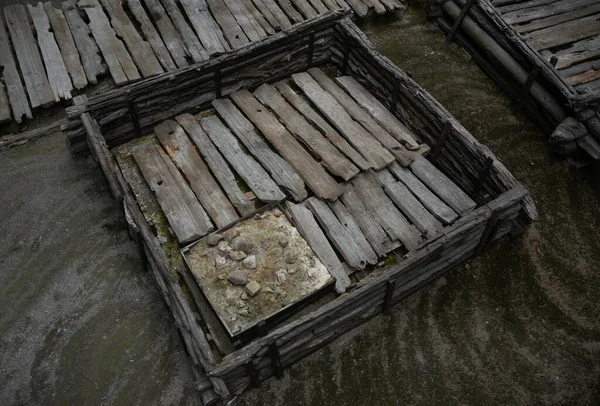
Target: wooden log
[
  {"x": 216, "y": 163},
  {"x": 246, "y": 20},
  {"x": 359, "y": 8},
  {"x": 274, "y": 14},
  {"x": 281, "y": 171},
  {"x": 312, "y": 116},
  {"x": 151, "y": 35},
  {"x": 313, "y": 174},
  {"x": 264, "y": 21},
  {"x": 86, "y": 46},
  {"x": 16, "y": 93},
  {"x": 308, "y": 227},
  {"x": 229, "y": 26},
  {"x": 319, "y": 6},
  {"x": 184, "y": 154},
  {"x": 368, "y": 146},
  {"x": 186, "y": 216},
  {"x": 350, "y": 224},
  {"x": 297, "y": 125},
  {"x": 59, "y": 80},
  {"x": 205, "y": 26},
  {"x": 39, "y": 90},
  {"x": 121, "y": 66},
  {"x": 305, "y": 8},
  {"x": 442, "y": 186},
  {"x": 196, "y": 50},
  {"x": 338, "y": 234},
  {"x": 246, "y": 167},
  {"x": 565, "y": 33},
  {"x": 68, "y": 50},
  {"x": 290, "y": 11}
]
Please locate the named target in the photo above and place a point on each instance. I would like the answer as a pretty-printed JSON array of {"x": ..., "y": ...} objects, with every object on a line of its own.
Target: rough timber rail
[
  {"x": 543, "y": 53},
  {"x": 369, "y": 99},
  {"x": 47, "y": 54}
]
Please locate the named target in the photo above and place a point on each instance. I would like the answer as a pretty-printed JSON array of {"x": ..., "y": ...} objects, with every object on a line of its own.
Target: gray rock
[
  {"x": 213, "y": 239},
  {"x": 283, "y": 242},
  {"x": 237, "y": 255},
  {"x": 238, "y": 277},
  {"x": 252, "y": 288},
  {"x": 281, "y": 275},
  {"x": 277, "y": 213},
  {"x": 242, "y": 244},
  {"x": 291, "y": 257},
  {"x": 220, "y": 262},
  {"x": 249, "y": 262},
  {"x": 223, "y": 247}
]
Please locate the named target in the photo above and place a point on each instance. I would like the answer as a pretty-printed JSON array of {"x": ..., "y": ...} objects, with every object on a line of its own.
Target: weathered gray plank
[
  {"x": 312, "y": 233},
  {"x": 364, "y": 142},
  {"x": 362, "y": 117},
  {"x": 152, "y": 36},
  {"x": 139, "y": 49},
  {"x": 290, "y": 11},
  {"x": 274, "y": 14},
  {"x": 350, "y": 224},
  {"x": 260, "y": 19},
  {"x": 390, "y": 218},
  {"x": 55, "y": 67},
  {"x": 313, "y": 174},
  {"x": 39, "y": 90},
  {"x": 433, "y": 203},
  {"x": 205, "y": 26},
  {"x": 297, "y": 125},
  {"x": 579, "y": 52},
  {"x": 186, "y": 216},
  {"x": 319, "y": 6},
  {"x": 565, "y": 33},
  {"x": 216, "y": 163},
  {"x": 542, "y": 11},
  {"x": 305, "y": 9},
  {"x": 247, "y": 168},
  {"x": 368, "y": 223},
  {"x": 409, "y": 205},
  {"x": 442, "y": 186},
  {"x": 192, "y": 43},
  {"x": 245, "y": 19},
  {"x": 229, "y": 26},
  {"x": 359, "y": 8},
  {"x": 312, "y": 116},
  {"x": 68, "y": 50},
  {"x": 281, "y": 171},
  {"x": 337, "y": 234},
  {"x": 14, "y": 87},
  {"x": 378, "y": 111},
  {"x": 121, "y": 66},
  {"x": 555, "y": 19},
  {"x": 183, "y": 153},
  {"x": 86, "y": 46}
]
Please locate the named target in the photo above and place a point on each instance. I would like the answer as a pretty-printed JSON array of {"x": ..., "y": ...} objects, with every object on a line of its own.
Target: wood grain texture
[
  {"x": 245, "y": 19},
  {"x": 206, "y": 28},
  {"x": 231, "y": 30},
  {"x": 261, "y": 19},
  {"x": 274, "y": 14},
  {"x": 279, "y": 169},
  {"x": 351, "y": 225},
  {"x": 195, "y": 48},
  {"x": 184, "y": 155}
]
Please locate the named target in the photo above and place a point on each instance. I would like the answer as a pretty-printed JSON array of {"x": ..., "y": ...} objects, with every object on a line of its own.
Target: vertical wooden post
[
  {"x": 275, "y": 358},
  {"x": 254, "y": 378},
  {"x": 389, "y": 294},
  {"x": 487, "y": 233},
  {"x": 459, "y": 20},
  {"x": 346, "y": 55},
  {"x": 441, "y": 141},
  {"x": 483, "y": 175},
  {"x": 134, "y": 118},
  {"x": 311, "y": 49},
  {"x": 527, "y": 87},
  {"x": 218, "y": 94}
]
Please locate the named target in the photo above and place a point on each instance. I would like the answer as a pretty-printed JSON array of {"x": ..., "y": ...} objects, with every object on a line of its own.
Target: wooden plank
[
  {"x": 312, "y": 233},
  {"x": 170, "y": 37},
  {"x": 536, "y": 13},
  {"x": 363, "y": 118},
  {"x": 359, "y": 8},
  {"x": 290, "y": 11},
  {"x": 584, "y": 77},
  {"x": 186, "y": 216},
  {"x": 205, "y": 26},
  {"x": 247, "y": 168},
  {"x": 579, "y": 52},
  {"x": 4, "y": 104},
  {"x": 281, "y": 171},
  {"x": 151, "y": 35},
  {"x": 86, "y": 46},
  {"x": 390, "y": 218},
  {"x": 368, "y": 223},
  {"x": 553, "y": 20},
  {"x": 313, "y": 174},
  {"x": 337, "y": 234},
  {"x": 378, "y": 111},
  {"x": 274, "y": 14},
  {"x": 68, "y": 50},
  {"x": 368, "y": 146},
  {"x": 350, "y": 224},
  {"x": 39, "y": 90},
  {"x": 442, "y": 186},
  {"x": 138, "y": 48},
  {"x": 183, "y": 153},
  {"x": 55, "y": 67},
  {"x": 409, "y": 204},
  {"x": 433, "y": 203},
  {"x": 14, "y": 87},
  {"x": 267, "y": 27},
  {"x": 564, "y": 33},
  {"x": 319, "y": 6},
  {"x": 298, "y": 126},
  {"x": 121, "y": 66},
  {"x": 313, "y": 117},
  {"x": 245, "y": 19},
  {"x": 305, "y": 9},
  {"x": 192, "y": 43},
  {"x": 376, "y": 6},
  {"x": 229, "y": 26},
  {"x": 524, "y": 5},
  {"x": 216, "y": 163}
]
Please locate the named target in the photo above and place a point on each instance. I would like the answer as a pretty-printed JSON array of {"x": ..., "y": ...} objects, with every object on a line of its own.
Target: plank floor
[
  {"x": 134, "y": 39},
  {"x": 568, "y": 30},
  {"x": 267, "y": 146}
]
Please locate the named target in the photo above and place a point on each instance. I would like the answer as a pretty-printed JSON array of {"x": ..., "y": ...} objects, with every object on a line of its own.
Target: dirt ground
[{"x": 81, "y": 322}]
